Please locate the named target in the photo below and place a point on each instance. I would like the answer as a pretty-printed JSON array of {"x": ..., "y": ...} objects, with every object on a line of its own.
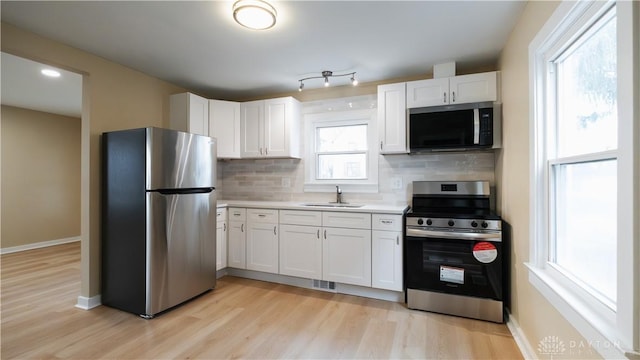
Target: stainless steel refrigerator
[{"x": 158, "y": 218}]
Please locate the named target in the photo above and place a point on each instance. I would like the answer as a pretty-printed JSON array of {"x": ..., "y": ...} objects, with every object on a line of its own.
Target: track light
[{"x": 326, "y": 75}]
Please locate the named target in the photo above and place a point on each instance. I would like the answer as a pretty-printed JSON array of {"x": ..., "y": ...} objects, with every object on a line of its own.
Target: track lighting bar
[{"x": 326, "y": 75}]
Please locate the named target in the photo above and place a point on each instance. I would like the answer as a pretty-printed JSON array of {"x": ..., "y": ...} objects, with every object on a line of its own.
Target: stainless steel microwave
[{"x": 472, "y": 126}]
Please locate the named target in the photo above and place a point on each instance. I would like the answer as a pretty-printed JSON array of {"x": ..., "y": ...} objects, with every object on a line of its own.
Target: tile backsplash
[{"x": 283, "y": 179}]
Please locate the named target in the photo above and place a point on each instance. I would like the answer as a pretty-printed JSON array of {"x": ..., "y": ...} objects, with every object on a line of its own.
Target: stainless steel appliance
[
  {"x": 158, "y": 218},
  {"x": 455, "y": 251},
  {"x": 455, "y": 127}
]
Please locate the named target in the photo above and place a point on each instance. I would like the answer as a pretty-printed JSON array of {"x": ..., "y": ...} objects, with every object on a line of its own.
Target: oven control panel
[{"x": 471, "y": 224}]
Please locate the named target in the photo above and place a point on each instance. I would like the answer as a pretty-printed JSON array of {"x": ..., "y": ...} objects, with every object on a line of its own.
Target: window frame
[
  {"x": 591, "y": 317},
  {"x": 341, "y": 118}
]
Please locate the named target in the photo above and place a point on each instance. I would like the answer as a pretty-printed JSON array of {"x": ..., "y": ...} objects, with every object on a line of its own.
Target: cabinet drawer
[
  {"x": 299, "y": 217},
  {"x": 237, "y": 214},
  {"x": 221, "y": 215},
  {"x": 346, "y": 220},
  {"x": 262, "y": 216},
  {"x": 386, "y": 222}
]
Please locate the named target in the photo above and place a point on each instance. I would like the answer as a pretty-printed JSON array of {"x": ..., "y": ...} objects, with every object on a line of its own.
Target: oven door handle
[{"x": 421, "y": 233}]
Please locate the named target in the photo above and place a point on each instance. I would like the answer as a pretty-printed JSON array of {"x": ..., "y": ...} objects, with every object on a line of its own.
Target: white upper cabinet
[
  {"x": 224, "y": 125},
  {"x": 189, "y": 112},
  {"x": 453, "y": 90},
  {"x": 270, "y": 128},
  {"x": 430, "y": 92},
  {"x": 392, "y": 119}
]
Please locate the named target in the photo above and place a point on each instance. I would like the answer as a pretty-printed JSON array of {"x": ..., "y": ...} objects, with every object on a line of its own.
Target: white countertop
[{"x": 299, "y": 205}]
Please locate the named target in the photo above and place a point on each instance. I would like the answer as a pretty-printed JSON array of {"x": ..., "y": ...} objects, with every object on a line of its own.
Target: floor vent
[{"x": 323, "y": 285}]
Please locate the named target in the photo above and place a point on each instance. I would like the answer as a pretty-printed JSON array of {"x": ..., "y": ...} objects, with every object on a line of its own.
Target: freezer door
[
  {"x": 178, "y": 160},
  {"x": 181, "y": 248}
]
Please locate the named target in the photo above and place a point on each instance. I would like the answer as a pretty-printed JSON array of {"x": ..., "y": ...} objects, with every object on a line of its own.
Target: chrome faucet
[{"x": 338, "y": 195}]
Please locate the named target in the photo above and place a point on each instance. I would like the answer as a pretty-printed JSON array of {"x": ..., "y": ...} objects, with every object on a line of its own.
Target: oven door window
[{"x": 451, "y": 266}]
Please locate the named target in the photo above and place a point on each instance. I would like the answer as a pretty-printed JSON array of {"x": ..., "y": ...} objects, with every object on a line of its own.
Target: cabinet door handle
[
  {"x": 266, "y": 151},
  {"x": 241, "y": 227},
  {"x": 397, "y": 239},
  {"x": 325, "y": 234},
  {"x": 453, "y": 96},
  {"x": 224, "y": 226},
  {"x": 274, "y": 230},
  {"x": 387, "y": 221},
  {"x": 262, "y": 215},
  {"x": 260, "y": 151},
  {"x": 318, "y": 233},
  {"x": 380, "y": 145},
  {"x": 444, "y": 99}
]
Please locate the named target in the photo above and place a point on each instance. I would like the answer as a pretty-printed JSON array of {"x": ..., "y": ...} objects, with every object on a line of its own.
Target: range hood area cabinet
[
  {"x": 461, "y": 89},
  {"x": 270, "y": 128},
  {"x": 394, "y": 100},
  {"x": 189, "y": 113}
]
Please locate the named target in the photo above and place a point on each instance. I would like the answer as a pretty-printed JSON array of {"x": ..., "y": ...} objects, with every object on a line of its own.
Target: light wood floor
[{"x": 240, "y": 319}]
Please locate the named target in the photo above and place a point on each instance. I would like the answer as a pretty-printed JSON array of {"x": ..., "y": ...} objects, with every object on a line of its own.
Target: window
[
  {"x": 582, "y": 159},
  {"x": 339, "y": 151},
  {"x": 584, "y": 78}
]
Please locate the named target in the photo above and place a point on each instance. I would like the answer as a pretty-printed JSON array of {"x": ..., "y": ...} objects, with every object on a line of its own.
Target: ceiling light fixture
[
  {"x": 50, "y": 73},
  {"x": 254, "y": 14},
  {"x": 326, "y": 75}
]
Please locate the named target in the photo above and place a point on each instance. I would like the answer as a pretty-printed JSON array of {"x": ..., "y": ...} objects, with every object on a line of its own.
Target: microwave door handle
[{"x": 476, "y": 126}]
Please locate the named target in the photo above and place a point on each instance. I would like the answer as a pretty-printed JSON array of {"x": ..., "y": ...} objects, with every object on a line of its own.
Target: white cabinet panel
[
  {"x": 346, "y": 220},
  {"x": 262, "y": 240},
  {"x": 224, "y": 125},
  {"x": 453, "y": 90},
  {"x": 262, "y": 247},
  {"x": 237, "y": 239},
  {"x": 432, "y": 92},
  {"x": 190, "y": 113},
  {"x": 301, "y": 251},
  {"x": 221, "y": 239},
  {"x": 386, "y": 222},
  {"x": 270, "y": 128},
  {"x": 392, "y": 118},
  {"x": 251, "y": 129},
  {"x": 474, "y": 88},
  {"x": 346, "y": 256},
  {"x": 300, "y": 217},
  {"x": 386, "y": 258}
]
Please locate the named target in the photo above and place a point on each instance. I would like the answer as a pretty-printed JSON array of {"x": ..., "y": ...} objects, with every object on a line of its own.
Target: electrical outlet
[
  {"x": 286, "y": 182},
  {"x": 396, "y": 183}
]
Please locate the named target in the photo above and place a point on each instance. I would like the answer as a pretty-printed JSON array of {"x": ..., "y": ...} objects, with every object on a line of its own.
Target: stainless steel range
[{"x": 454, "y": 251}]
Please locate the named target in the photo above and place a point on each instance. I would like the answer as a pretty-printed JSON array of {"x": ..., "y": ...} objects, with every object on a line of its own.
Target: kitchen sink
[{"x": 334, "y": 205}]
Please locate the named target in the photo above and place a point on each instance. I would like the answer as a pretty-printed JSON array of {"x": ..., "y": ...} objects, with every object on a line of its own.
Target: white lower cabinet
[
  {"x": 221, "y": 239},
  {"x": 237, "y": 243},
  {"x": 386, "y": 252},
  {"x": 301, "y": 251},
  {"x": 262, "y": 240},
  {"x": 346, "y": 256}
]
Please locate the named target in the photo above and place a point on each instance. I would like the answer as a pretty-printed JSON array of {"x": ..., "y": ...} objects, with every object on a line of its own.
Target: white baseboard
[
  {"x": 525, "y": 347},
  {"x": 38, "y": 245},
  {"x": 86, "y": 303}
]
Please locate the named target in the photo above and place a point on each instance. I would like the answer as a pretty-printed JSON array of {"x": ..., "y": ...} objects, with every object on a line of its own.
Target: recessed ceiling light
[
  {"x": 254, "y": 14},
  {"x": 50, "y": 73}
]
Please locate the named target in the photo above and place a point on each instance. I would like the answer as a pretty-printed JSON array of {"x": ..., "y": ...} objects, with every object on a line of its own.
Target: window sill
[{"x": 599, "y": 331}]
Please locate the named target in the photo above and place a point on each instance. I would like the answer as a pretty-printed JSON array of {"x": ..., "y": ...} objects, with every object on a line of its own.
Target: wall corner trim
[{"x": 88, "y": 303}]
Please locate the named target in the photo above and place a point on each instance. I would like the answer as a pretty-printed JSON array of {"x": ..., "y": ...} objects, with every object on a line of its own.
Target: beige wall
[
  {"x": 40, "y": 176},
  {"x": 114, "y": 97},
  {"x": 536, "y": 317}
]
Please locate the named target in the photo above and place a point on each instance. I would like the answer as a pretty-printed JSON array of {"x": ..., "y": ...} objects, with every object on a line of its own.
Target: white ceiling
[
  {"x": 196, "y": 44},
  {"x": 24, "y": 86}
]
